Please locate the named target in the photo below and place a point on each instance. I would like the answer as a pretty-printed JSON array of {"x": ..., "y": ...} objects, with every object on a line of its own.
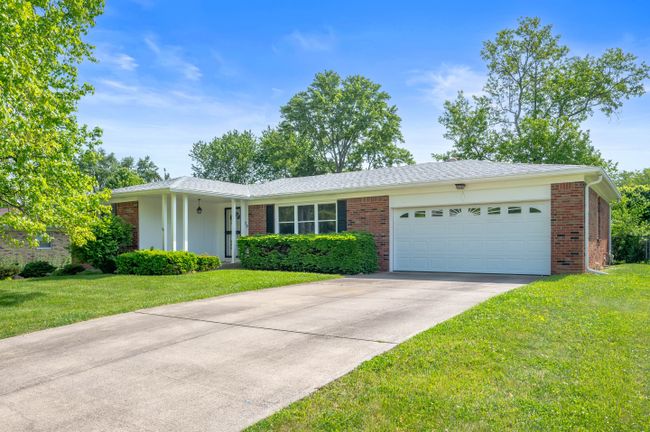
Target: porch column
[
  {"x": 233, "y": 230},
  {"x": 186, "y": 241},
  {"x": 164, "y": 221},
  {"x": 173, "y": 221},
  {"x": 244, "y": 218}
]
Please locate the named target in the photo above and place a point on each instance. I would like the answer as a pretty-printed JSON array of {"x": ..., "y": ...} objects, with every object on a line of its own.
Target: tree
[
  {"x": 40, "y": 139},
  {"x": 631, "y": 178},
  {"x": 111, "y": 173},
  {"x": 631, "y": 223},
  {"x": 233, "y": 157},
  {"x": 346, "y": 124},
  {"x": 536, "y": 98}
]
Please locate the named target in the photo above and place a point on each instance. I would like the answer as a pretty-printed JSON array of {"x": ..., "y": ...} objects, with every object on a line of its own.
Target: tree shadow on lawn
[{"x": 9, "y": 298}]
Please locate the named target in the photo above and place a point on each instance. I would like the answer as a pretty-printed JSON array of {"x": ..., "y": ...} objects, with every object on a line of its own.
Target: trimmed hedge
[
  {"x": 8, "y": 271},
  {"x": 346, "y": 253},
  {"x": 157, "y": 262}
]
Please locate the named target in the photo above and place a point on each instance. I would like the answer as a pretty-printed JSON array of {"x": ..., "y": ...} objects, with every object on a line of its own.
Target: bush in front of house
[
  {"x": 37, "y": 269},
  {"x": 157, "y": 262},
  {"x": 112, "y": 237},
  {"x": 70, "y": 270},
  {"x": 346, "y": 253},
  {"x": 207, "y": 263},
  {"x": 9, "y": 270}
]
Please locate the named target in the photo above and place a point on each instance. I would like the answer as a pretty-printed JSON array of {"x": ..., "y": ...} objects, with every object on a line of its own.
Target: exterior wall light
[
  {"x": 199, "y": 210},
  {"x": 460, "y": 186}
]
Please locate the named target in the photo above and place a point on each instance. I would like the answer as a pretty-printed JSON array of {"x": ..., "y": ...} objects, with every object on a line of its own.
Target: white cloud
[
  {"x": 445, "y": 82},
  {"x": 324, "y": 41},
  {"x": 120, "y": 60},
  {"x": 171, "y": 57}
]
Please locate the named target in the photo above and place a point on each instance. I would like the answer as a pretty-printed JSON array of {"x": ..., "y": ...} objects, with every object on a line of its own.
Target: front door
[{"x": 228, "y": 229}]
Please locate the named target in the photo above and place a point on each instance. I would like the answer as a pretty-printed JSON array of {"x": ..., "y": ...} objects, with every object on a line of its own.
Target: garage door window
[
  {"x": 514, "y": 210},
  {"x": 404, "y": 215},
  {"x": 436, "y": 213},
  {"x": 420, "y": 214},
  {"x": 455, "y": 212},
  {"x": 534, "y": 210},
  {"x": 494, "y": 210},
  {"x": 474, "y": 211}
]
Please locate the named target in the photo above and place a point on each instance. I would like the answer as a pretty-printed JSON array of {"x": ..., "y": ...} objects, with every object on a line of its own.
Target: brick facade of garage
[
  {"x": 130, "y": 213},
  {"x": 371, "y": 214},
  {"x": 598, "y": 231}
]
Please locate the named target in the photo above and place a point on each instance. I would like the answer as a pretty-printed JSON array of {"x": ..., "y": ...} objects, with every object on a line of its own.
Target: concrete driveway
[{"x": 222, "y": 363}]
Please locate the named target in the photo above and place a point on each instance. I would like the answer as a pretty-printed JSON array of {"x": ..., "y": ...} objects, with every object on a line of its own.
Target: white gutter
[{"x": 587, "y": 189}]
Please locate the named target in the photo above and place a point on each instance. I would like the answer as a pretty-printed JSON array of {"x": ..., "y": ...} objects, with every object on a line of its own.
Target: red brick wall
[
  {"x": 598, "y": 231},
  {"x": 371, "y": 214},
  {"x": 257, "y": 219},
  {"x": 567, "y": 228},
  {"x": 129, "y": 212}
]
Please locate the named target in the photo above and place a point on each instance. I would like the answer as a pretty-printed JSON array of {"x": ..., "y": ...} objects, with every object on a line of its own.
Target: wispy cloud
[
  {"x": 312, "y": 41},
  {"x": 116, "y": 59},
  {"x": 445, "y": 82},
  {"x": 172, "y": 57}
]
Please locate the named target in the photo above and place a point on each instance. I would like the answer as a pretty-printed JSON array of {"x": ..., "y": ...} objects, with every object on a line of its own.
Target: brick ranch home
[{"x": 460, "y": 216}]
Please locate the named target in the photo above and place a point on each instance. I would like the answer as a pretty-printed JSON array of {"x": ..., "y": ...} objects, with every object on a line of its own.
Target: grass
[
  {"x": 35, "y": 304},
  {"x": 564, "y": 353}
]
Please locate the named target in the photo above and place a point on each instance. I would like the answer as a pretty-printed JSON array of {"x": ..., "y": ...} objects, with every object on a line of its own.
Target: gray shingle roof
[{"x": 432, "y": 172}]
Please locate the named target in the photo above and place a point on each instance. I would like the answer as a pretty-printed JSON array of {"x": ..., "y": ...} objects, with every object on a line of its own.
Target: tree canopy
[
  {"x": 631, "y": 178},
  {"x": 110, "y": 172},
  {"x": 536, "y": 98},
  {"x": 40, "y": 138}
]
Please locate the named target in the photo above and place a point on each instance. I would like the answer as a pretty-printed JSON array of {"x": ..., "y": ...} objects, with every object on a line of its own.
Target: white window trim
[
  {"x": 49, "y": 244},
  {"x": 295, "y": 215}
]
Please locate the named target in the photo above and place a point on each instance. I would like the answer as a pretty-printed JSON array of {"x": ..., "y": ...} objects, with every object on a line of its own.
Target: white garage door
[{"x": 494, "y": 238}]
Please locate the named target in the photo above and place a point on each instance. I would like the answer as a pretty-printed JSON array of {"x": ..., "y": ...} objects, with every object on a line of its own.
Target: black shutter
[
  {"x": 270, "y": 219},
  {"x": 342, "y": 215}
]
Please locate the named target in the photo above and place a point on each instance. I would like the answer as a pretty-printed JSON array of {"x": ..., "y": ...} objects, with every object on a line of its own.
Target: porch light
[
  {"x": 199, "y": 210},
  {"x": 460, "y": 186}
]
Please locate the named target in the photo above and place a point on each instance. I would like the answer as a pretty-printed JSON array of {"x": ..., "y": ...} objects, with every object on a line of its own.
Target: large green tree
[
  {"x": 631, "y": 178},
  {"x": 232, "y": 157},
  {"x": 344, "y": 124},
  {"x": 40, "y": 138},
  {"x": 536, "y": 98},
  {"x": 110, "y": 172}
]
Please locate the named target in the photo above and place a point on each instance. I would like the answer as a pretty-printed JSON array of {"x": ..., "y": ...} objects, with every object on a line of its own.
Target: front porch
[{"x": 190, "y": 222}]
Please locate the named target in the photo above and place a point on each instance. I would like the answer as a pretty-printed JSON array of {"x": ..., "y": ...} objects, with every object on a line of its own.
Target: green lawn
[
  {"x": 564, "y": 353},
  {"x": 34, "y": 304}
]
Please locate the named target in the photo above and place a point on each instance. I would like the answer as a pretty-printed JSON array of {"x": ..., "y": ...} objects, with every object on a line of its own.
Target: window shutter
[
  {"x": 342, "y": 215},
  {"x": 270, "y": 219}
]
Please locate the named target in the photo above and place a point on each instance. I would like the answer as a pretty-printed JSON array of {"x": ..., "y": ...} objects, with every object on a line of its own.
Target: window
[
  {"x": 455, "y": 212},
  {"x": 286, "y": 219},
  {"x": 514, "y": 210},
  {"x": 404, "y": 215},
  {"x": 474, "y": 211},
  {"x": 436, "y": 213},
  {"x": 494, "y": 210},
  {"x": 43, "y": 244},
  {"x": 307, "y": 218},
  {"x": 326, "y": 218},
  {"x": 534, "y": 210},
  {"x": 420, "y": 214}
]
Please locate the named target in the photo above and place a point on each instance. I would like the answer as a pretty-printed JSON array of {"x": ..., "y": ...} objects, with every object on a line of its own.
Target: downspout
[{"x": 587, "y": 189}]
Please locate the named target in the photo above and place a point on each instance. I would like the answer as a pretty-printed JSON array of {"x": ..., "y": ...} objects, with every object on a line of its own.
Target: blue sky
[{"x": 169, "y": 75}]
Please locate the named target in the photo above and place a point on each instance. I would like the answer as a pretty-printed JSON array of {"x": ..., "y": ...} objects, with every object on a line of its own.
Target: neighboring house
[{"x": 461, "y": 216}]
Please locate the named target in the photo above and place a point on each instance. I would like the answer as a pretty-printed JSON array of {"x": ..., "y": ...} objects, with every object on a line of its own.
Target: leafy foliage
[
  {"x": 631, "y": 223},
  {"x": 40, "y": 47},
  {"x": 37, "y": 269},
  {"x": 346, "y": 253},
  {"x": 347, "y": 124},
  {"x": 70, "y": 269},
  {"x": 111, "y": 172},
  {"x": 233, "y": 157},
  {"x": 536, "y": 98},
  {"x": 157, "y": 262},
  {"x": 112, "y": 237},
  {"x": 630, "y": 178},
  {"x": 9, "y": 270}
]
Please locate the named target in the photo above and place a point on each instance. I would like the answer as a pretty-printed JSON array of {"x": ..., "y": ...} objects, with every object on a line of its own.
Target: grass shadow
[{"x": 9, "y": 299}]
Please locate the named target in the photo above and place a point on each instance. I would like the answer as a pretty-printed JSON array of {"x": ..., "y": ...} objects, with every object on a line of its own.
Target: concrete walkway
[{"x": 223, "y": 363}]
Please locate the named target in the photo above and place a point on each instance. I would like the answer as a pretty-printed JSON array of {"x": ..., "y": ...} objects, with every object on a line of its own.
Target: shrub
[
  {"x": 9, "y": 270},
  {"x": 69, "y": 270},
  {"x": 112, "y": 237},
  {"x": 630, "y": 248},
  {"x": 156, "y": 262},
  {"x": 37, "y": 269},
  {"x": 207, "y": 263},
  {"x": 347, "y": 253}
]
